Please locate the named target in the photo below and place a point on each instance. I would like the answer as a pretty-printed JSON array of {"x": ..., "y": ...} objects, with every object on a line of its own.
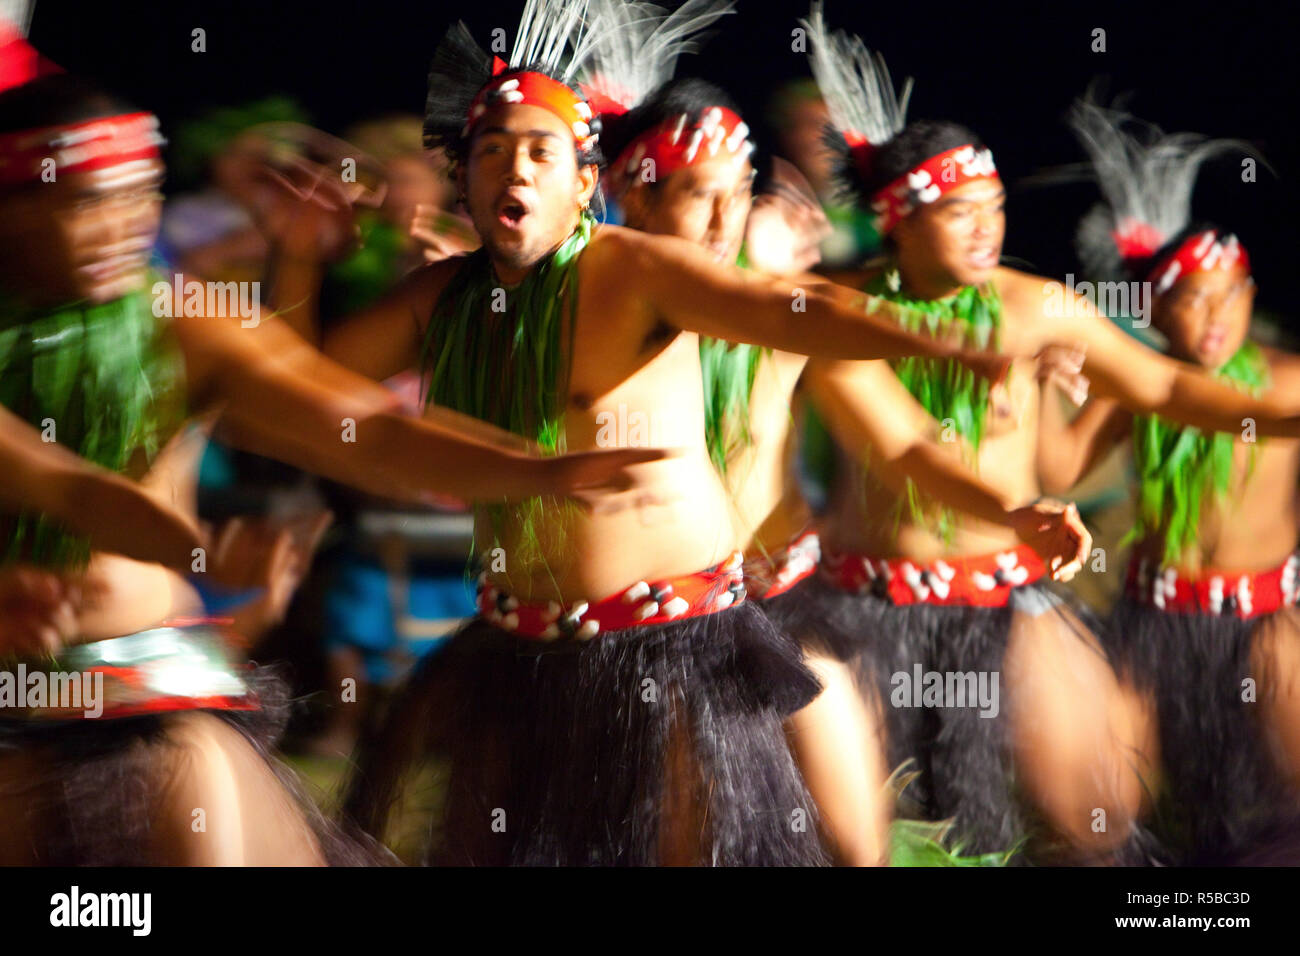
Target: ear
[
  {"x": 635, "y": 203},
  {"x": 588, "y": 177},
  {"x": 460, "y": 180}
]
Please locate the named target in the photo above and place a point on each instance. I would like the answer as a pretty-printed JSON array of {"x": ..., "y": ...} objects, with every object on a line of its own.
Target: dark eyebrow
[
  {"x": 949, "y": 200},
  {"x": 532, "y": 133}
]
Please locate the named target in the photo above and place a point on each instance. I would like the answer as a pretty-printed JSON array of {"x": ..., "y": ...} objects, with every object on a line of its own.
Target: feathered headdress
[
  {"x": 19, "y": 61},
  {"x": 638, "y": 47},
  {"x": 553, "y": 41},
  {"x": 1147, "y": 178},
  {"x": 856, "y": 85},
  {"x": 867, "y": 113},
  {"x": 636, "y": 54}
]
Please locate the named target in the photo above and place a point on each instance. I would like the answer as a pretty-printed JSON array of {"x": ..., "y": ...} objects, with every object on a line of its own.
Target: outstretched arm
[
  {"x": 686, "y": 287},
  {"x": 333, "y": 423},
  {"x": 867, "y": 407},
  {"x": 116, "y": 514},
  {"x": 1146, "y": 382}
]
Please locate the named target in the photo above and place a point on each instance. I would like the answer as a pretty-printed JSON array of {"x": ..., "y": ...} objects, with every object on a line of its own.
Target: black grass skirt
[
  {"x": 1222, "y": 798},
  {"x": 963, "y": 758},
  {"x": 94, "y": 804},
  {"x": 557, "y": 754}
]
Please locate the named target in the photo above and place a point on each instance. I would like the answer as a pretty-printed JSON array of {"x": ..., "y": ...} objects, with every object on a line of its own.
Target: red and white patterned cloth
[
  {"x": 983, "y": 581},
  {"x": 180, "y": 665},
  {"x": 774, "y": 575},
  {"x": 1244, "y": 594},
  {"x": 644, "y": 603},
  {"x": 533, "y": 89},
  {"x": 674, "y": 145},
  {"x": 929, "y": 181}
]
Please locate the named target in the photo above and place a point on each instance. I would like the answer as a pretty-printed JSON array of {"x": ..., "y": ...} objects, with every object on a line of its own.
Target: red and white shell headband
[
  {"x": 929, "y": 181},
  {"x": 674, "y": 145},
  {"x": 73, "y": 147},
  {"x": 1203, "y": 252},
  {"x": 534, "y": 89}
]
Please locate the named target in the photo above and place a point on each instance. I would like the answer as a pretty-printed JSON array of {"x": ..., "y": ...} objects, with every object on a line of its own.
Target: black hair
[
  {"x": 666, "y": 103},
  {"x": 56, "y": 100},
  {"x": 898, "y": 156}
]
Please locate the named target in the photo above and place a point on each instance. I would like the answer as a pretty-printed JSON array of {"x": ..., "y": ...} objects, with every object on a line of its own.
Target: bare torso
[
  {"x": 124, "y": 596},
  {"x": 1253, "y": 526},
  {"x": 632, "y": 380},
  {"x": 762, "y": 478},
  {"x": 866, "y": 515}
]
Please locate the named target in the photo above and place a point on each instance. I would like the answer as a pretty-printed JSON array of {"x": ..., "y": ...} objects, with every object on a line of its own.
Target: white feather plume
[
  {"x": 1145, "y": 175},
  {"x": 19, "y": 13},
  {"x": 855, "y": 82},
  {"x": 553, "y": 35},
  {"x": 636, "y": 45}
]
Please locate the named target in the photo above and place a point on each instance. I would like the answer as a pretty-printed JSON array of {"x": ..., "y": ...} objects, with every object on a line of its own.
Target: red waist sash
[
  {"x": 644, "y": 603},
  {"x": 773, "y": 575},
  {"x": 983, "y": 581},
  {"x": 1245, "y": 594}
]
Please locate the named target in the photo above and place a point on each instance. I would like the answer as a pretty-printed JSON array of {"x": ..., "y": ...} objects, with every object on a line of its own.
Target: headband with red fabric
[
  {"x": 677, "y": 143},
  {"x": 534, "y": 89},
  {"x": 938, "y": 175},
  {"x": 1202, "y": 251},
  {"x": 26, "y": 155}
]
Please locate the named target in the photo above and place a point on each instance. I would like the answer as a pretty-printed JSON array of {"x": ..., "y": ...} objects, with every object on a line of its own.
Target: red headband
[
  {"x": 74, "y": 147},
  {"x": 533, "y": 89},
  {"x": 927, "y": 182},
  {"x": 1202, "y": 252},
  {"x": 78, "y": 147},
  {"x": 674, "y": 145}
]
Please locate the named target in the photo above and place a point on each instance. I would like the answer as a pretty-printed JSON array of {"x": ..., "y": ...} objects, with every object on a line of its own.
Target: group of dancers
[{"x": 674, "y": 660}]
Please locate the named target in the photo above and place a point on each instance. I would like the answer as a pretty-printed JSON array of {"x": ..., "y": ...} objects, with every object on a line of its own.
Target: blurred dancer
[
  {"x": 1207, "y": 628},
  {"x": 83, "y": 354},
  {"x": 706, "y": 198},
  {"x": 798, "y": 114}
]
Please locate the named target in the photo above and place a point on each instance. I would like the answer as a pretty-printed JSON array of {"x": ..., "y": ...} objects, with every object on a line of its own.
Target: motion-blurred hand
[
  {"x": 38, "y": 611},
  {"x": 267, "y": 556},
  {"x": 442, "y": 234},
  {"x": 786, "y": 225},
  {"x": 120, "y": 516},
  {"x": 1063, "y": 367},
  {"x": 1056, "y": 532}
]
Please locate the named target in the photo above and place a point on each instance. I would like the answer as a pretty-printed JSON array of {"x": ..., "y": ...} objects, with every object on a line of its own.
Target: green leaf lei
[
  {"x": 1178, "y": 464},
  {"x": 110, "y": 379}
]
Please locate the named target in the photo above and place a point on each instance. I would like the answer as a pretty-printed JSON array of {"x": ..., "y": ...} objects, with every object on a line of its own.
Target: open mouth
[
  {"x": 983, "y": 258},
  {"x": 511, "y": 213},
  {"x": 1212, "y": 341}
]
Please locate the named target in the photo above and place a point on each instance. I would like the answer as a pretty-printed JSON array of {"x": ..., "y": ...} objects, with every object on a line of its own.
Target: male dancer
[
  {"x": 82, "y": 353},
  {"x": 614, "y": 703},
  {"x": 706, "y": 198},
  {"x": 963, "y": 597},
  {"x": 1207, "y": 625}
]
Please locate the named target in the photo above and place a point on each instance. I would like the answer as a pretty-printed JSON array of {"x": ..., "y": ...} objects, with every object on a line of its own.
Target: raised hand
[
  {"x": 270, "y": 557},
  {"x": 442, "y": 234},
  {"x": 1063, "y": 367},
  {"x": 38, "y": 611},
  {"x": 786, "y": 225},
  {"x": 1056, "y": 532}
]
